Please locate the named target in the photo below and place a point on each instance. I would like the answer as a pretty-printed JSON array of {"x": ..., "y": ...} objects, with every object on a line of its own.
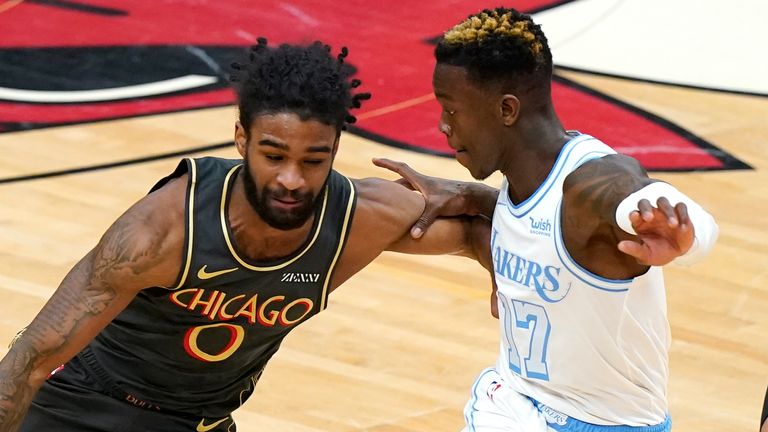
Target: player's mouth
[
  {"x": 457, "y": 149},
  {"x": 286, "y": 202},
  {"x": 462, "y": 157}
]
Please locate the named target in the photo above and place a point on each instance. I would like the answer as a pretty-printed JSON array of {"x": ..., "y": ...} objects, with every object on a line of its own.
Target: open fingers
[
  {"x": 415, "y": 179},
  {"x": 634, "y": 249},
  {"x": 636, "y": 220},
  {"x": 425, "y": 220},
  {"x": 646, "y": 209},
  {"x": 666, "y": 208},
  {"x": 685, "y": 227},
  {"x": 385, "y": 163},
  {"x": 682, "y": 215},
  {"x": 401, "y": 168},
  {"x": 406, "y": 183}
]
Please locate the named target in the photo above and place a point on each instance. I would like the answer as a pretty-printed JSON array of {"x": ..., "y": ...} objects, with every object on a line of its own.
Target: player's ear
[
  {"x": 241, "y": 138},
  {"x": 510, "y": 109}
]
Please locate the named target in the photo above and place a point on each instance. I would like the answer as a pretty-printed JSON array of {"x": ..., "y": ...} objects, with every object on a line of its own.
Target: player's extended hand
[
  {"x": 444, "y": 197},
  {"x": 663, "y": 232}
]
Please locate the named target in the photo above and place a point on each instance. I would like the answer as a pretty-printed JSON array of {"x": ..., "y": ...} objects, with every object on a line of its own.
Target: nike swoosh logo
[
  {"x": 202, "y": 427},
  {"x": 202, "y": 274}
]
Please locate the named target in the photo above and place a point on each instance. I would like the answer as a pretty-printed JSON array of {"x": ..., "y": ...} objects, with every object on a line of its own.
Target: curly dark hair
[
  {"x": 306, "y": 80},
  {"x": 498, "y": 46}
]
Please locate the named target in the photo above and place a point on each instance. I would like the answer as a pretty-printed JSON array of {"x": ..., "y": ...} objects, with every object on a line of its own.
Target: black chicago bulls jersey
[{"x": 198, "y": 347}]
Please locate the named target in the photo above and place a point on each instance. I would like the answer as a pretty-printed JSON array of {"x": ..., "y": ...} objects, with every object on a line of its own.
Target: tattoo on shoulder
[
  {"x": 603, "y": 184},
  {"x": 128, "y": 247}
]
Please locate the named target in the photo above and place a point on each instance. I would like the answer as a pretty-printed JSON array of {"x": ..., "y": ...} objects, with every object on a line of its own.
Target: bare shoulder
[
  {"x": 144, "y": 246},
  {"x": 591, "y": 194},
  {"x": 600, "y": 184}
]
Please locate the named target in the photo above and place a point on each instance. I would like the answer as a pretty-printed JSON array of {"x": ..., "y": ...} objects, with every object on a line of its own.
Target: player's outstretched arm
[
  {"x": 649, "y": 221},
  {"x": 397, "y": 208},
  {"x": 445, "y": 197},
  {"x": 462, "y": 235},
  {"x": 384, "y": 214},
  {"x": 141, "y": 249}
]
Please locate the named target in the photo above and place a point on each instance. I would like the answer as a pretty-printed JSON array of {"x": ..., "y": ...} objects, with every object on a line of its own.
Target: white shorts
[{"x": 494, "y": 407}]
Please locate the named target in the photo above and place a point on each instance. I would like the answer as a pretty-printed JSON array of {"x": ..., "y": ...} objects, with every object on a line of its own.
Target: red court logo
[{"x": 64, "y": 62}]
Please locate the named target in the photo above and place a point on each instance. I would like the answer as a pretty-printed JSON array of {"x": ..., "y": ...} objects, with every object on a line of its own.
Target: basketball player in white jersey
[{"x": 579, "y": 235}]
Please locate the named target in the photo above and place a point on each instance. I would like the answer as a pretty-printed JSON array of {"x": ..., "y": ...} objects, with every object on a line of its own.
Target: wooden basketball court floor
[{"x": 401, "y": 343}]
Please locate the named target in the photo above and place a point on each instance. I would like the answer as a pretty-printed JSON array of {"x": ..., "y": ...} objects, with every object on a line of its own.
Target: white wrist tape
[{"x": 705, "y": 228}]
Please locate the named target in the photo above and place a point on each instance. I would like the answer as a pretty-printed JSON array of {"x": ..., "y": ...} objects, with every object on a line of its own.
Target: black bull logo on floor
[{"x": 64, "y": 62}]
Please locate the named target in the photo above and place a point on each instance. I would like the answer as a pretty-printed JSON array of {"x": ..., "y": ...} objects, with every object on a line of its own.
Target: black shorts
[{"x": 73, "y": 401}]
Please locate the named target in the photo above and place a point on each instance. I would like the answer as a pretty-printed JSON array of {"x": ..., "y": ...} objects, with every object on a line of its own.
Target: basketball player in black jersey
[
  {"x": 764, "y": 416},
  {"x": 168, "y": 323}
]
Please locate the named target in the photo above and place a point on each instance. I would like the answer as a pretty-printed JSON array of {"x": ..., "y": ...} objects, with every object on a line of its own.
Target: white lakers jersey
[{"x": 592, "y": 348}]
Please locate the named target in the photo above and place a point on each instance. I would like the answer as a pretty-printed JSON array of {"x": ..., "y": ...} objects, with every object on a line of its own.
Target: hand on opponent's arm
[
  {"x": 444, "y": 197},
  {"x": 455, "y": 217}
]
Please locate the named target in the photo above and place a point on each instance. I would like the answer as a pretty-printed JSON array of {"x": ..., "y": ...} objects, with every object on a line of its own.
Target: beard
[{"x": 282, "y": 219}]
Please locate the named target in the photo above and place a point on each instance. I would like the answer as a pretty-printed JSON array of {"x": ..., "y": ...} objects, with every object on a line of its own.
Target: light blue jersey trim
[
  {"x": 522, "y": 209},
  {"x": 582, "y": 274},
  {"x": 595, "y": 154},
  {"x": 570, "y": 424}
]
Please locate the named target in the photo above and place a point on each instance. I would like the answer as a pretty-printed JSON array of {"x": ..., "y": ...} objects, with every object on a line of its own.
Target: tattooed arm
[
  {"x": 142, "y": 248},
  {"x": 591, "y": 195}
]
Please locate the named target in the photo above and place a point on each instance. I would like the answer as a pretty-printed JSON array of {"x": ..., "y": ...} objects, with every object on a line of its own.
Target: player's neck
[
  {"x": 256, "y": 238},
  {"x": 531, "y": 158}
]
